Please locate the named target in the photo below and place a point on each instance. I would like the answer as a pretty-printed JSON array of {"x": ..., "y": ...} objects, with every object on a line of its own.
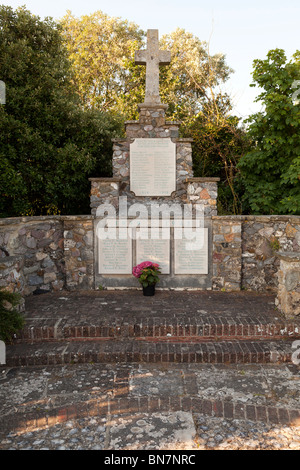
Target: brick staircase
[{"x": 171, "y": 327}]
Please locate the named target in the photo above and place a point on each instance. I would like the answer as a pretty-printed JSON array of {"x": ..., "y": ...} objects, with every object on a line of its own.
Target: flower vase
[{"x": 149, "y": 290}]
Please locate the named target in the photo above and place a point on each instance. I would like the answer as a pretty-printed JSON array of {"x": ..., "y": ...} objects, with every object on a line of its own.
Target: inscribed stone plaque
[
  {"x": 157, "y": 251},
  {"x": 153, "y": 167},
  {"x": 115, "y": 256},
  {"x": 191, "y": 256}
]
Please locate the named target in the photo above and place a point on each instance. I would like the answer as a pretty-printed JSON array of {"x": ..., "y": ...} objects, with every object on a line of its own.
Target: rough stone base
[{"x": 288, "y": 296}]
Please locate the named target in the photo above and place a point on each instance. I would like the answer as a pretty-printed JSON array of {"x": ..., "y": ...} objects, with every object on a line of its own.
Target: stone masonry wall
[
  {"x": 245, "y": 250},
  {"x": 12, "y": 277},
  {"x": 227, "y": 253},
  {"x": 203, "y": 191},
  {"x": 79, "y": 252},
  {"x": 262, "y": 238},
  {"x": 57, "y": 252},
  {"x": 104, "y": 191},
  {"x": 39, "y": 240},
  {"x": 152, "y": 124},
  {"x": 288, "y": 294}
]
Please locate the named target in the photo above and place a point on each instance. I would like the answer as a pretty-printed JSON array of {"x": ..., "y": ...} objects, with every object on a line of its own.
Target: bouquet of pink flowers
[{"x": 147, "y": 273}]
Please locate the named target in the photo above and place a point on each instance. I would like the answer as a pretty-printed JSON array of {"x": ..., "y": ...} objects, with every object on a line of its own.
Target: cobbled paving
[{"x": 30, "y": 390}]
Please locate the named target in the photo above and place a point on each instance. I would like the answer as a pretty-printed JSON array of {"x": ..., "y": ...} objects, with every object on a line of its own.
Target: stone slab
[
  {"x": 169, "y": 279},
  {"x": 153, "y": 167},
  {"x": 157, "y": 251},
  {"x": 115, "y": 256},
  {"x": 158, "y": 431},
  {"x": 191, "y": 256}
]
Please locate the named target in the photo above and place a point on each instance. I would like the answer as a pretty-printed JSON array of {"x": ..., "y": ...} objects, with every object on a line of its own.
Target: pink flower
[{"x": 137, "y": 270}]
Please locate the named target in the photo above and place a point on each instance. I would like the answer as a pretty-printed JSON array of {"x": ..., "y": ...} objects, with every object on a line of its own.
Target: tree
[
  {"x": 219, "y": 141},
  {"x": 188, "y": 84},
  {"x": 45, "y": 154},
  {"x": 100, "y": 48},
  {"x": 102, "y": 51},
  {"x": 271, "y": 171}
]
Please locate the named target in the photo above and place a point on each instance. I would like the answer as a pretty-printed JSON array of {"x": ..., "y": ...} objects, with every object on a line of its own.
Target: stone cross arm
[
  {"x": 152, "y": 57},
  {"x": 141, "y": 57}
]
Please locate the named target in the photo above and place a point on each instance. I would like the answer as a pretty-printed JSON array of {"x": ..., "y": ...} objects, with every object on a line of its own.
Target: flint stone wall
[
  {"x": 263, "y": 237},
  {"x": 288, "y": 295},
  {"x": 227, "y": 253},
  {"x": 59, "y": 252},
  {"x": 39, "y": 240},
  {"x": 79, "y": 252},
  {"x": 152, "y": 124},
  {"x": 200, "y": 191},
  {"x": 245, "y": 250},
  {"x": 12, "y": 278}
]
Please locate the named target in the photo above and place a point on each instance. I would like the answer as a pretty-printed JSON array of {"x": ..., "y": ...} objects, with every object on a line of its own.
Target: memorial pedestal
[{"x": 153, "y": 173}]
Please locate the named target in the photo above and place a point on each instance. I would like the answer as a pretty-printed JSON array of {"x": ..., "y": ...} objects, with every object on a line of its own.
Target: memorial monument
[{"x": 152, "y": 208}]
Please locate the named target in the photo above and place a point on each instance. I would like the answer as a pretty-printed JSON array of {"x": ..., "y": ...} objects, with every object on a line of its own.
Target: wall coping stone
[
  {"x": 227, "y": 217},
  {"x": 41, "y": 218},
  {"x": 174, "y": 139},
  {"x": 271, "y": 217},
  {"x": 202, "y": 180},
  {"x": 77, "y": 217},
  {"x": 18, "y": 220},
  {"x": 250, "y": 218},
  {"x": 152, "y": 106},
  {"x": 107, "y": 180},
  {"x": 167, "y": 123}
]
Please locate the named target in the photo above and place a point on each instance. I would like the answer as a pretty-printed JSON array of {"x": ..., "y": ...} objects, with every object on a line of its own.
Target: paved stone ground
[
  {"x": 129, "y": 405},
  {"x": 125, "y": 407},
  {"x": 73, "y": 308}
]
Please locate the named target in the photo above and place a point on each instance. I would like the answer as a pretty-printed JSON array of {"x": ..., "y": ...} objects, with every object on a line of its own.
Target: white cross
[{"x": 152, "y": 57}]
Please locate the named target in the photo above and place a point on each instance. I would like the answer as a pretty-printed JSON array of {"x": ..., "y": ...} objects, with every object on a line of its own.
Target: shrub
[{"x": 10, "y": 319}]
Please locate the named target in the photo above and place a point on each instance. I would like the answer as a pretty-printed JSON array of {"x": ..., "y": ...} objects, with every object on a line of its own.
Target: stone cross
[{"x": 152, "y": 57}]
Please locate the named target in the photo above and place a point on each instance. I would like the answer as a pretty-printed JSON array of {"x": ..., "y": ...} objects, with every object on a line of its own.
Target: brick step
[
  {"x": 155, "y": 351},
  {"x": 178, "y": 329}
]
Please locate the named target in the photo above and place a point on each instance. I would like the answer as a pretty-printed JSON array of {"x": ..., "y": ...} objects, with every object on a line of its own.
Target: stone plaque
[
  {"x": 191, "y": 256},
  {"x": 115, "y": 256},
  {"x": 157, "y": 251},
  {"x": 153, "y": 167}
]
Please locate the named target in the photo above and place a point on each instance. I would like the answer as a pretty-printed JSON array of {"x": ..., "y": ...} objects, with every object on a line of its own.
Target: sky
[{"x": 243, "y": 31}]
